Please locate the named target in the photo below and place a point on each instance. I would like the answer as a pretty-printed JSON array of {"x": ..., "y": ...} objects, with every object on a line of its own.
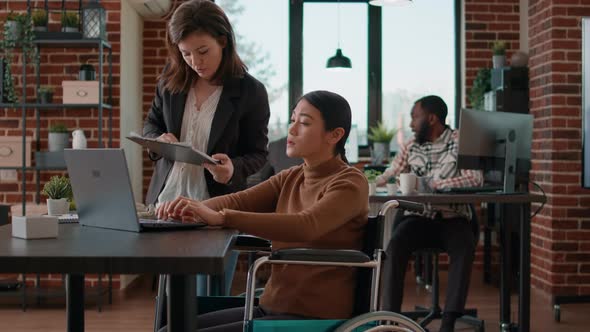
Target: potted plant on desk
[
  {"x": 391, "y": 186},
  {"x": 59, "y": 191},
  {"x": 381, "y": 136},
  {"x": 371, "y": 176}
]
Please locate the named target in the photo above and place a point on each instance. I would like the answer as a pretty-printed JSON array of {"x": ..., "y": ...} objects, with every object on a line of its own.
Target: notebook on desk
[{"x": 102, "y": 190}]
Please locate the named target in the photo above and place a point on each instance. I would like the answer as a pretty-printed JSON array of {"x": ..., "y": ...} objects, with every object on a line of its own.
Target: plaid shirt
[{"x": 438, "y": 160}]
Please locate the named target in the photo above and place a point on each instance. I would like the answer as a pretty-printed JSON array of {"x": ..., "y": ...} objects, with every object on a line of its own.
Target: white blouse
[{"x": 188, "y": 180}]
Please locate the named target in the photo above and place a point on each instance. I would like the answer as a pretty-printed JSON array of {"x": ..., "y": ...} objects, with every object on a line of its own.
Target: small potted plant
[
  {"x": 69, "y": 22},
  {"x": 391, "y": 186},
  {"x": 40, "y": 20},
  {"x": 381, "y": 136},
  {"x": 371, "y": 176},
  {"x": 59, "y": 191},
  {"x": 58, "y": 137},
  {"x": 481, "y": 85},
  {"x": 499, "y": 51},
  {"x": 45, "y": 94}
]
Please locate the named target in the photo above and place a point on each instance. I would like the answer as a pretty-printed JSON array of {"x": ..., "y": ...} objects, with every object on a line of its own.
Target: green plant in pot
[
  {"x": 18, "y": 27},
  {"x": 14, "y": 25},
  {"x": 481, "y": 85},
  {"x": 371, "y": 176},
  {"x": 392, "y": 186},
  {"x": 499, "y": 53},
  {"x": 58, "y": 137},
  {"x": 59, "y": 192},
  {"x": 45, "y": 94},
  {"x": 40, "y": 20},
  {"x": 381, "y": 136},
  {"x": 69, "y": 22}
]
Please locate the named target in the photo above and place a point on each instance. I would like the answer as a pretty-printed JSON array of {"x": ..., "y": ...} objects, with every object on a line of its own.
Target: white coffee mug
[{"x": 407, "y": 183}]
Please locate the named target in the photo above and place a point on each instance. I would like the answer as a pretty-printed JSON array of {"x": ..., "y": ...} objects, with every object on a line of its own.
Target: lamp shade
[
  {"x": 93, "y": 20},
  {"x": 339, "y": 61},
  {"x": 389, "y": 2}
]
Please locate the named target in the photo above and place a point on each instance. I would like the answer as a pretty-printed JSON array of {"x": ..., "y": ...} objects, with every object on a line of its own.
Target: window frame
[{"x": 374, "y": 49}]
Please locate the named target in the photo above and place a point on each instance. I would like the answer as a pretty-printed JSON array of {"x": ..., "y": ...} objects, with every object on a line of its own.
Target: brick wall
[
  {"x": 561, "y": 231},
  {"x": 485, "y": 22},
  {"x": 58, "y": 64}
]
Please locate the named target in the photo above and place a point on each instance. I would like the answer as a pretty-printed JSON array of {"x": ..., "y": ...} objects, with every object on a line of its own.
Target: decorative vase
[
  {"x": 78, "y": 139},
  {"x": 380, "y": 152},
  {"x": 58, "y": 141},
  {"x": 498, "y": 61},
  {"x": 56, "y": 207}
]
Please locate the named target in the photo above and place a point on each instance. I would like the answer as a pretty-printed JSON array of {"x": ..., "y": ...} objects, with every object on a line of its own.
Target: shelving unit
[
  {"x": 51, "y": 160},
  {"x": 54, "y": 161}
]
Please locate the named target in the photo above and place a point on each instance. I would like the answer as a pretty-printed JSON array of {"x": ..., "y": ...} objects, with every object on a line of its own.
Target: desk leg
[
  {"x": 75, "y": 302},
  {"x": 524, "y": 299},
  {"x": 182, "y": 303},
  {"x": 505, "y": 239}
]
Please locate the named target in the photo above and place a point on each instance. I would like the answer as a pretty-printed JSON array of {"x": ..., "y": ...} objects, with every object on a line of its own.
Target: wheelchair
[{"x": 368, "y": 317}]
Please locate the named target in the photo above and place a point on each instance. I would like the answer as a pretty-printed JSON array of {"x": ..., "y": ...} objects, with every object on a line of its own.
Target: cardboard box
[
  {"x": 34, "y": 227},
  {"x": 80, "y": 92},
  {"x": 11, "y": 151}
]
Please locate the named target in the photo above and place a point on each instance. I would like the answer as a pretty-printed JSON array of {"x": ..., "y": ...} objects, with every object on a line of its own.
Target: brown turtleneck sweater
[{"x": 323, "y": 207}]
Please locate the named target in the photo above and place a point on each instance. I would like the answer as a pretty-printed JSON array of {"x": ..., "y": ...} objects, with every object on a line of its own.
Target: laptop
[{"x": 102, "y": 190}]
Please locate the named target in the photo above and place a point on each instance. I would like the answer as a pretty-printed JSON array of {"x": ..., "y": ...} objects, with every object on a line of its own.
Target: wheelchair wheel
[{"x": 385, "y": 320}]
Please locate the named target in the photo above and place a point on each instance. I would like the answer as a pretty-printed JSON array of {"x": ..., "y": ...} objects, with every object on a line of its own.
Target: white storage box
[
  {"x": 34, "y": 227},
  {"x": 11, "y": 151},
  {"x": 80, "y": 92}
]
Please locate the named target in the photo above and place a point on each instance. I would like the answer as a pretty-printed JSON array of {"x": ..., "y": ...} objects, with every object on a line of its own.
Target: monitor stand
[{"x": 510, "y": 162}]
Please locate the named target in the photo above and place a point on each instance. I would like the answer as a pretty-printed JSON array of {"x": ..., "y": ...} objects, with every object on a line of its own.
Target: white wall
[
  {"x": 524, "y": 25},
  {"x": 131, "y": 91}
]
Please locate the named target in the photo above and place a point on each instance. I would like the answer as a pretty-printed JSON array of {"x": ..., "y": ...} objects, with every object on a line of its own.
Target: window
[
  {"x": 265, "y": 51},
  {"x": 418, "y": 43},
  {"x": 320, "y": 41}
]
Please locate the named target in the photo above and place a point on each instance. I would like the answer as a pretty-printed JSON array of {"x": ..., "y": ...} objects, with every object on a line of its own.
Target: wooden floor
[{"x": 132, "y": 310}]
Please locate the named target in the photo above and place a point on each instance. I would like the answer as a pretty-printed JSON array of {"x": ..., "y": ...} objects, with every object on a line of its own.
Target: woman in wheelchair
[{"x": 320, "y": 204}]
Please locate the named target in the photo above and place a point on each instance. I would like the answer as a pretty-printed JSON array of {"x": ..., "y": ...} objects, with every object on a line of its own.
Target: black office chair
[{"x": 431, "y": 280}]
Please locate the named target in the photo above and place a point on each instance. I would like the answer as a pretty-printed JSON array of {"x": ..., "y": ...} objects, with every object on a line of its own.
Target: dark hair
[
  {"x": 336, "y": 113},
  {"x": 199, "y": 16},
  {"x": 434, "y": 105}
]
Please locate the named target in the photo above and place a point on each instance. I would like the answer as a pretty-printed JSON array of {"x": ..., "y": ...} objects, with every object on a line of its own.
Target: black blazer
[{"x": 239, "y": 129}]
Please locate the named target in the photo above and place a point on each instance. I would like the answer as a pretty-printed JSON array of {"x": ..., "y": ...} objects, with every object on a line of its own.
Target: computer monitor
[{"x": 496, "y": 141}]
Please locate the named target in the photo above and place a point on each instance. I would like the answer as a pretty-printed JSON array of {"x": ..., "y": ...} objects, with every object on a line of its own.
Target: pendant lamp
[{"x": 338, "y": 62}]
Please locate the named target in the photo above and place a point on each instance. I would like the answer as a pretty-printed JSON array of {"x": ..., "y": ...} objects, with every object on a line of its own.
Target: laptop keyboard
[{"x": 154, "y": 223}]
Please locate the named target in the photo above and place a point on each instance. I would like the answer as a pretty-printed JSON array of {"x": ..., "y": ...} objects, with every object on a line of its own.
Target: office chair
[{"x": 431, "y": 279}]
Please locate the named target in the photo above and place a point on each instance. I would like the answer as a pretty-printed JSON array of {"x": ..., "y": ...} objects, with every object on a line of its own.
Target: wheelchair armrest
[
  {"x": 320, "y": 255},
  {"x": 251, "y": 243}
]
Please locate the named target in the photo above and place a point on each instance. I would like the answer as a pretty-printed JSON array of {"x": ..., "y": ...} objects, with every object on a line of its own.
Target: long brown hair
[{"x": 199, "y": 16}]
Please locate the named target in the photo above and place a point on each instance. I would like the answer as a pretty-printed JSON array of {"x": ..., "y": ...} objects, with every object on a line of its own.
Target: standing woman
[{"x": 205, "y": 97}]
